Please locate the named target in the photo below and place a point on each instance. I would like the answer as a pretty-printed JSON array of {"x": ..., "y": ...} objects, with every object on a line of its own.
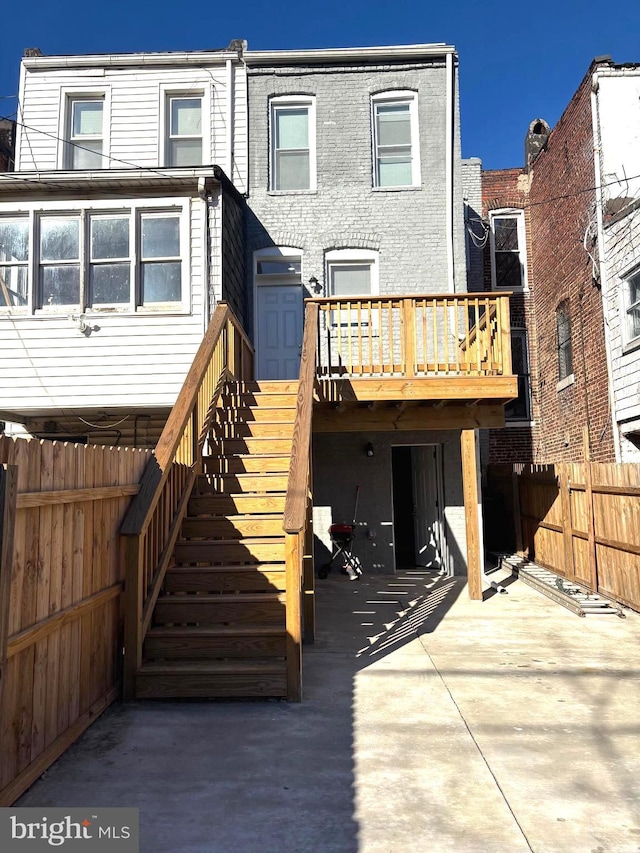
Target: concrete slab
[{"x": 430, "y": 723}]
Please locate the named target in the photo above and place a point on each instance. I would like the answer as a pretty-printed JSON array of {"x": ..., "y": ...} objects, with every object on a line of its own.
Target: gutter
[{"x": 129, "y": 60}]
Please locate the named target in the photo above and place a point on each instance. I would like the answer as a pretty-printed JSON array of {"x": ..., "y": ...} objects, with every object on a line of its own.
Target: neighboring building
[
  {"x": 118, "y": 236},
  {"x": 7, "y": 144},
  {"x": 356, "y": 191}
]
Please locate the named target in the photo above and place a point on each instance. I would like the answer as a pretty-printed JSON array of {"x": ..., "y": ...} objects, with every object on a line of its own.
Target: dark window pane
[
  {"x": 61, "y": 285},
  {"x": 110, "y": 284},
  {"x": 506, "y": 235},
  {"x": 508, "y": 270},
  {"x": 518, "y": 410},
  {"x": 161, "y": 282}
]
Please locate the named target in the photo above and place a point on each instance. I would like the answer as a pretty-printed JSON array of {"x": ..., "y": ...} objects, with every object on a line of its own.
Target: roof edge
[{"x": 342, "y": 54}]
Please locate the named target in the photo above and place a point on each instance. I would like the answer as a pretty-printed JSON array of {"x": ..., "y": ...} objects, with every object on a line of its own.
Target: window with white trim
[
  {"x": 14, "y": 260},
  {"x": 396, "y": 148},
  {"x": 631, "y": 295},
  {"x": 520, "y": 408},
  {"x": 85, "y": 133},
  {"x": 292, "y": 135},
  {"x": 184, "y": 143},
  {"x": 352, "y": 273},
  {"x": 128, "y": 259},
  {"x": 508, "y": 250}
]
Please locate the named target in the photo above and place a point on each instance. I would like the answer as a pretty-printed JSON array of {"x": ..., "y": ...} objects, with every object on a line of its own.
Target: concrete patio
[{"x": 430, "y": 723}]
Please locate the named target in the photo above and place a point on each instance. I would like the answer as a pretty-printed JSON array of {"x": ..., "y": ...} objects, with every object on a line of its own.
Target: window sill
[
  {"x": 564, "y": 383},
  {"x": 90, "y": 314},
  {"x": 291, "y": 192},
  {"x": 631, "y": 346},
  {"x": 512, "y": 423},
  {"x": 514, "y": 290},
  {"x": 401, "y": 189}
]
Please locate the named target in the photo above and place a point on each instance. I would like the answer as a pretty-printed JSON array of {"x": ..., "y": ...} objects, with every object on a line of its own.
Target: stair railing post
[{"x": 293, "y": 567}]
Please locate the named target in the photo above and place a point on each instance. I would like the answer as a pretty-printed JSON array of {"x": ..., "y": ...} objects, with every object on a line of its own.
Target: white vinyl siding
[{"x": 134, "y": 108}]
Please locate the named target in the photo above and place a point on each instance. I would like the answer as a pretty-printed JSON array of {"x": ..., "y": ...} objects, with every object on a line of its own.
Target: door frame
[
  {"x": 273, "y": 253},
  {"x": 439, "y": 515}
]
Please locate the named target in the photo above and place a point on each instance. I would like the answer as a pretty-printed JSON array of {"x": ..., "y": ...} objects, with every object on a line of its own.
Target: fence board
[
  {"x": 62, "y": 628},
  {"x": 596, "y": 524}
]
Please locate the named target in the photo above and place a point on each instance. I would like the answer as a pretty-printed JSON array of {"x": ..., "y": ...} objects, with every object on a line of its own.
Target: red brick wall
[
  {"x": 562, "y": 204},
  {"x": 506, "y": 188}
]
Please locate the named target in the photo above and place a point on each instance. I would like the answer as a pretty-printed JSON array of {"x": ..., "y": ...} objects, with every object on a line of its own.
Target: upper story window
[
  {"x": 292, "y": 135},
  {"x": 508, "y": 250},
  {"x": 128, "y": 259},
  {"x": 631, "y": 296},
  {"x": 396, "y": 149},
  {"x": 14, "y": 258},
  {"x": 565, "y": 353},
  {"x": 352, "y": 273},
  {"x": 184, "y": 144},
  {"x": 85, "y": 133}
]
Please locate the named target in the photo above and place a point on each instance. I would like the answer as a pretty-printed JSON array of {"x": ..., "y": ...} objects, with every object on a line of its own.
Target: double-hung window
[
  {"x": 184, "y": 143},
  {"x": 632, "y": 307},
  {"x": 59, "y": 258},
  {"x": 14, "y": 259},
  {"x": 292, "y": 134},
  {"x": 110, "y": 259},
  {"x": 508, "y": 250},
  {"x": 85, "y": 133},
  {"x": 352, "y": 273},
  {"x": 160, "y": 264},
  {"x": 396, "y": 150}
]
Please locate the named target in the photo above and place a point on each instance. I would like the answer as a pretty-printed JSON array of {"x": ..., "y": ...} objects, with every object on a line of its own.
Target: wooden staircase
[{"x": 219, "y": 622}]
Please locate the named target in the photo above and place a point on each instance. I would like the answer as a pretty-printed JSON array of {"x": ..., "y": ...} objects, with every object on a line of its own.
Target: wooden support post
[
  {"x": 471, "y": 513},
  {"x": 567, "y": 524},
  {"x": 308, "y": 580},
  {"x": 517, "y": 518},
  {"x": 133, "y": 603},
  {"x": 8, "y": 491},
  {"x": 588, "y": 478},
  {"x": 293, "y": 561}
]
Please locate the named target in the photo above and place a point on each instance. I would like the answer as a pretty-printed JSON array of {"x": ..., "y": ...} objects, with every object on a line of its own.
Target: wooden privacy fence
[
  {"x": 153, "y": 521},
  {"x": 61, "y": 583},
  {"x": 435, "y": 334},
  {"x": 581, "y": 520}
]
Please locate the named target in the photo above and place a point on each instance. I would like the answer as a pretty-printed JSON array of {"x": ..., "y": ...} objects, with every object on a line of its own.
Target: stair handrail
[
  {"x": 297, "y": 510},
  {"x": 151, "y": 526}
]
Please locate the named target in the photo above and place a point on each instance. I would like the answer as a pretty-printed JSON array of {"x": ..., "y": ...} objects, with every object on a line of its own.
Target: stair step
[
  {"x": 268, "y": 386},
  {"x": 230, "y": 551},
  {"x": 246, "y": 464},
  {"x": 222, "y": 609},
  {"x": 192, "y": 643},
  {"x": 231, "y": 527},
  {"x": 211, "y": 504},
  {"x": 255, "y": 446},
  {"x": 211, "y": 679},
  {"x": 256, "y": 578},
  {"x": 251, "y": 399},
  {"x": 240, "y": 483},
  {"x": 255, "y": 429},
  {"x": 257, "y": 414}
]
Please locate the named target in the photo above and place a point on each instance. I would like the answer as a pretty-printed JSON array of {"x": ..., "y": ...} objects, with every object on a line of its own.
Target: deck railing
[
  {"x": 417, "y": 335},
  {"x": 297, "y": 514},
  {"x": 153, "y": 522}
]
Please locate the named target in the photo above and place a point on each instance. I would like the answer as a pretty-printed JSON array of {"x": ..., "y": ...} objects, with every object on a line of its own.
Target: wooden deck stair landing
[{"x": 218, "y": 626}]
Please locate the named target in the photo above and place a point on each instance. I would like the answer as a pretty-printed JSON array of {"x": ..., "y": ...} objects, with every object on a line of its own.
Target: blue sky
[{"x": 518, "y": 61}]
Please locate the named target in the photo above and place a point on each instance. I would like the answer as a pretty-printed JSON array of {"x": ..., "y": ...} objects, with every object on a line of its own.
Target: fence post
[
  {"x": 588, "y": 478},
  {"x": 8, "y": 491},
  {"x": 515, "y": 503},
  {"x": 567, "y": 524}
]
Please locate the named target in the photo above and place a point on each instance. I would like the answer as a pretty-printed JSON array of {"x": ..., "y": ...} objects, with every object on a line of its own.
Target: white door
[
  {"x": 279, "y": 325},
  {"x": 426, "y": 512}
]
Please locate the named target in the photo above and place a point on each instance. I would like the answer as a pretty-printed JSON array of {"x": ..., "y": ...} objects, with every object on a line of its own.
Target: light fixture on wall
[
  {"x": 368, "y": 449},
  {"x": 315, "y": 285}
]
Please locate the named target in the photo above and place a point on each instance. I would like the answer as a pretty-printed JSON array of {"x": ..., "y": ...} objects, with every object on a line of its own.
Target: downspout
[
  {"x": 450, "y": 108},
  {"x": 603, "y": 265},
  {"x": 230, "y": 107},
  {"x": 204, "y": 195}
]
